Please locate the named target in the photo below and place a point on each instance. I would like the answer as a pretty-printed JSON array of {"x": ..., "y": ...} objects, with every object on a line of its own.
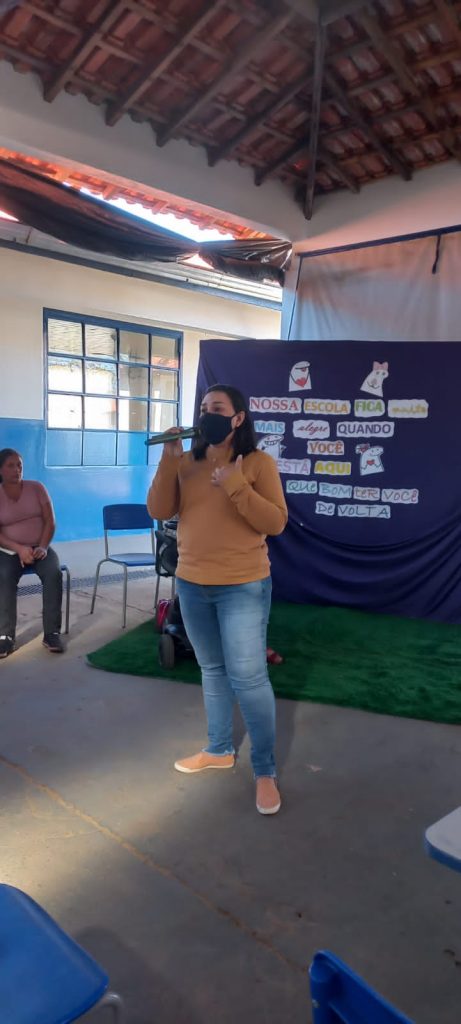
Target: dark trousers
[{"x": 49, "y": 571}]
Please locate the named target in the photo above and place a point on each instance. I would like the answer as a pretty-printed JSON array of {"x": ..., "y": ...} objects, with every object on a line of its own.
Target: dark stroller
[{"x": 173, "y": 641}]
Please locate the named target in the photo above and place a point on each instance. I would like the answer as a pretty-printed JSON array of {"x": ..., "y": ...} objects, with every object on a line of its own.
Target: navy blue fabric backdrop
[{"x": 367, "y": 439}]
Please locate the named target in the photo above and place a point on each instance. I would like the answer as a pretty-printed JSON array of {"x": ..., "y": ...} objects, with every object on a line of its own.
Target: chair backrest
[
  {"x": 340, "y": 997},
  {"x": 127, "y": 517}
]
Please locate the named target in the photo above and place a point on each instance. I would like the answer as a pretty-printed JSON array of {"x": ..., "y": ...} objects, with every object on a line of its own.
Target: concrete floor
[{"x": 199, "y": 908}]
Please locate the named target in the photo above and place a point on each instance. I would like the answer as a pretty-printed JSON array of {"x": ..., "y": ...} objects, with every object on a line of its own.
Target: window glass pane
[
  {"x": 101, "y": 378},
  {"x": 100, "y": 341},
  {"x": 132, "y": 415},
  {"x": 133, "y": 381},
  {"x": 164, "y": 385},
  {"x": 134, "y": 348},
  {"x": 64, "y": 374},
  {"x": 162, "y": 417},
  {"x": 64, "y": 336},
  {"x": 164, "y": 351},
  {"x": 100, "y": 413},
  {"x": 65, "y": 411}
]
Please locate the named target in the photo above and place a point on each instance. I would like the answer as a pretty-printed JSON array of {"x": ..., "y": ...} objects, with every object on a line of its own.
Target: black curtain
[{"x": 91, "y": 224}]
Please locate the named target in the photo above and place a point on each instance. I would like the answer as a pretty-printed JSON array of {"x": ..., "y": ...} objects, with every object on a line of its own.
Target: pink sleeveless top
[{"x": 22, "y": 521}]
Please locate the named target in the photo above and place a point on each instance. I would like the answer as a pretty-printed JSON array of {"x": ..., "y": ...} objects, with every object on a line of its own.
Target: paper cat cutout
[
  {"x": 373, "y": 383},
  {"x": 370, "y": 459}
]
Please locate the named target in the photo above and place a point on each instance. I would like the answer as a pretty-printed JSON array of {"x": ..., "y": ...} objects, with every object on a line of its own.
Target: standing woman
[
  {"x": 27, "y": 525},
  {"x": 229, "y": 497}
]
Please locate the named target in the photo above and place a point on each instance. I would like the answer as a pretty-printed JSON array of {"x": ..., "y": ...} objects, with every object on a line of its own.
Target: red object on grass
[
  {"x": 161, "y": 613},
  {"x": 273, "y": 658}
]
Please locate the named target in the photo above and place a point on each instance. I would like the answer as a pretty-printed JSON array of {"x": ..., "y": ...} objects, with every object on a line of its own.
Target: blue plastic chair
[
  {"x": 125, "y": 517},
  {"x": 29, "y": 570},
  {"x": 340, "y": 997},
  {"x": 45, "y": 977}
]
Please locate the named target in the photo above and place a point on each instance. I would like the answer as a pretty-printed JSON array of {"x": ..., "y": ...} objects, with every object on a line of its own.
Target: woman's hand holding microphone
[{"x": 174, "y": 448}]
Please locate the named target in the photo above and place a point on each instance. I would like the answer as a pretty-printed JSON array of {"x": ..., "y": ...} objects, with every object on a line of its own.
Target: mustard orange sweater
[{"x": 222, "y": 530}]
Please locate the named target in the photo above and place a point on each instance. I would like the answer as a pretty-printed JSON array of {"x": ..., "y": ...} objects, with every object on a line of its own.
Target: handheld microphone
[{"x": 181, "y": 435}]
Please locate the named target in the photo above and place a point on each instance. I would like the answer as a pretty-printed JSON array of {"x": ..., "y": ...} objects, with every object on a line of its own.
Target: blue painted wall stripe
[{"x": 78, "y": 492}]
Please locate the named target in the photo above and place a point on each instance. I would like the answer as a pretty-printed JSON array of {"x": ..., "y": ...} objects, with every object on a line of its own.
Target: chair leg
[
  {"x": 96, "y": 581},
  {"x": 113, "y": 1002},
  {"x": 67, "y": 599},
  {"x": 157, "y": 589},
  {"x": 125, "y": 586}
]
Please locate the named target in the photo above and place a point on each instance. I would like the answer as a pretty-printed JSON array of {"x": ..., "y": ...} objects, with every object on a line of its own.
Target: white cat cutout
[
  {"x": 370, "y": 459},
  {"x": 373, "y": 383}
]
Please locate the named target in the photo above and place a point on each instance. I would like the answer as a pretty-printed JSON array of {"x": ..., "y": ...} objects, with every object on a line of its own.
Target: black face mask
[{"x": 215, "y": 428}]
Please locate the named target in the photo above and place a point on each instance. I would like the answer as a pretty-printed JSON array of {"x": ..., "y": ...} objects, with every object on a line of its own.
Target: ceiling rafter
[
  {"x": 299, "y": 148},
  {"x": 297, "y": 151},
  {"x": 414, "y": 67},
  {"x": 254, "y": 123},
  {"x": 319, "y": 59},
  {"x": 405, "y": 117},
  {"x": 152, "y": 69},
  {"x": 336, "y": 168},
  {"x": 406, "y": 80},
  {"x": 355, "y": 113},
  {"x": 168, "y": 24},
  {"x": 393, "y": 30},
  {"x": 91, "y": 38},
  {"x": 219, "y": 153},
  {"x": 287, "y": 157},
  {"x": 232, "y": 66},
  {"x": 325, "y": 11},
  {"x": 449, "y": 17}
]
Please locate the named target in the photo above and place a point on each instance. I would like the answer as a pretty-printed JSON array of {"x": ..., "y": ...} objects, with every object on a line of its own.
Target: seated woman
[{"x": 27, "y": 525}]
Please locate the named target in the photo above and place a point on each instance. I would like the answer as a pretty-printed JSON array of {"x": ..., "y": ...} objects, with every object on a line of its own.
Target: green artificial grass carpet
[{"x": 406, "y": 667}]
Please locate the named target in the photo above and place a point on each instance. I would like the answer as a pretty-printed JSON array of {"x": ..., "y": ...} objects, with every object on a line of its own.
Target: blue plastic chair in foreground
[
  {"x": 340, "y": 997},
  {"x": 29, "y": 570},
  {"x": 125, "y": 517},
  {"x": 45, "y": 977}
]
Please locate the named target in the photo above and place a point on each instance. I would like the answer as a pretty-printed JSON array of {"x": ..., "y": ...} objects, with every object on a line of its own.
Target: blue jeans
[{"x": 227, "y": 628}]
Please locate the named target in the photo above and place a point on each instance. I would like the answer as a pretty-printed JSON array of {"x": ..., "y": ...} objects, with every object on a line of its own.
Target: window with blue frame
[{"x": 109, "y": 386}]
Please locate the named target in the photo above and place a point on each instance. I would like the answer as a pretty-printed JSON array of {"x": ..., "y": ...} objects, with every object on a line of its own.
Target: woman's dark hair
[
  {"x": 5, "y": 454},
  {"x": 244, "y": 439}
]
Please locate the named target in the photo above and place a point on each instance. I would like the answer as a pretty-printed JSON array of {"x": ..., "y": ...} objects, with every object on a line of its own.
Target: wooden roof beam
[
  {"x": 91, "y": 38},
  {"x": 287, "y": 157},
  {"x": 449, "y": 17},
  {"x": 421, "y": 64},
  {"x": 325, "y": 10},
  {"x": 398, "y": 64},
  {"x": 406, "y": 80},
  {"x": 335, "y": 168},
  {"x": 331, "y": 10},
  {"x": 298, "y": 150},
  {"x": 232, "y": 66},
  {"x": 361, "y": 121},
  {"x": 319, "y": 60},
  {"x": 271, "y": 108},
  {"x": 154, "y": 68}
]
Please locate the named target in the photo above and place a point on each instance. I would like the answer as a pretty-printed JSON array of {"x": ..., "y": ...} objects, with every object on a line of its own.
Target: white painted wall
[
  {"x": 29, "y": 283},
  {"x": 386, "y": 208}
]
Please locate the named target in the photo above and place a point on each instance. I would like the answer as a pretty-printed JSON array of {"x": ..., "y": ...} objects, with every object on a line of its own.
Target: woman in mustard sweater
[{"x": 229, "y": 497}]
